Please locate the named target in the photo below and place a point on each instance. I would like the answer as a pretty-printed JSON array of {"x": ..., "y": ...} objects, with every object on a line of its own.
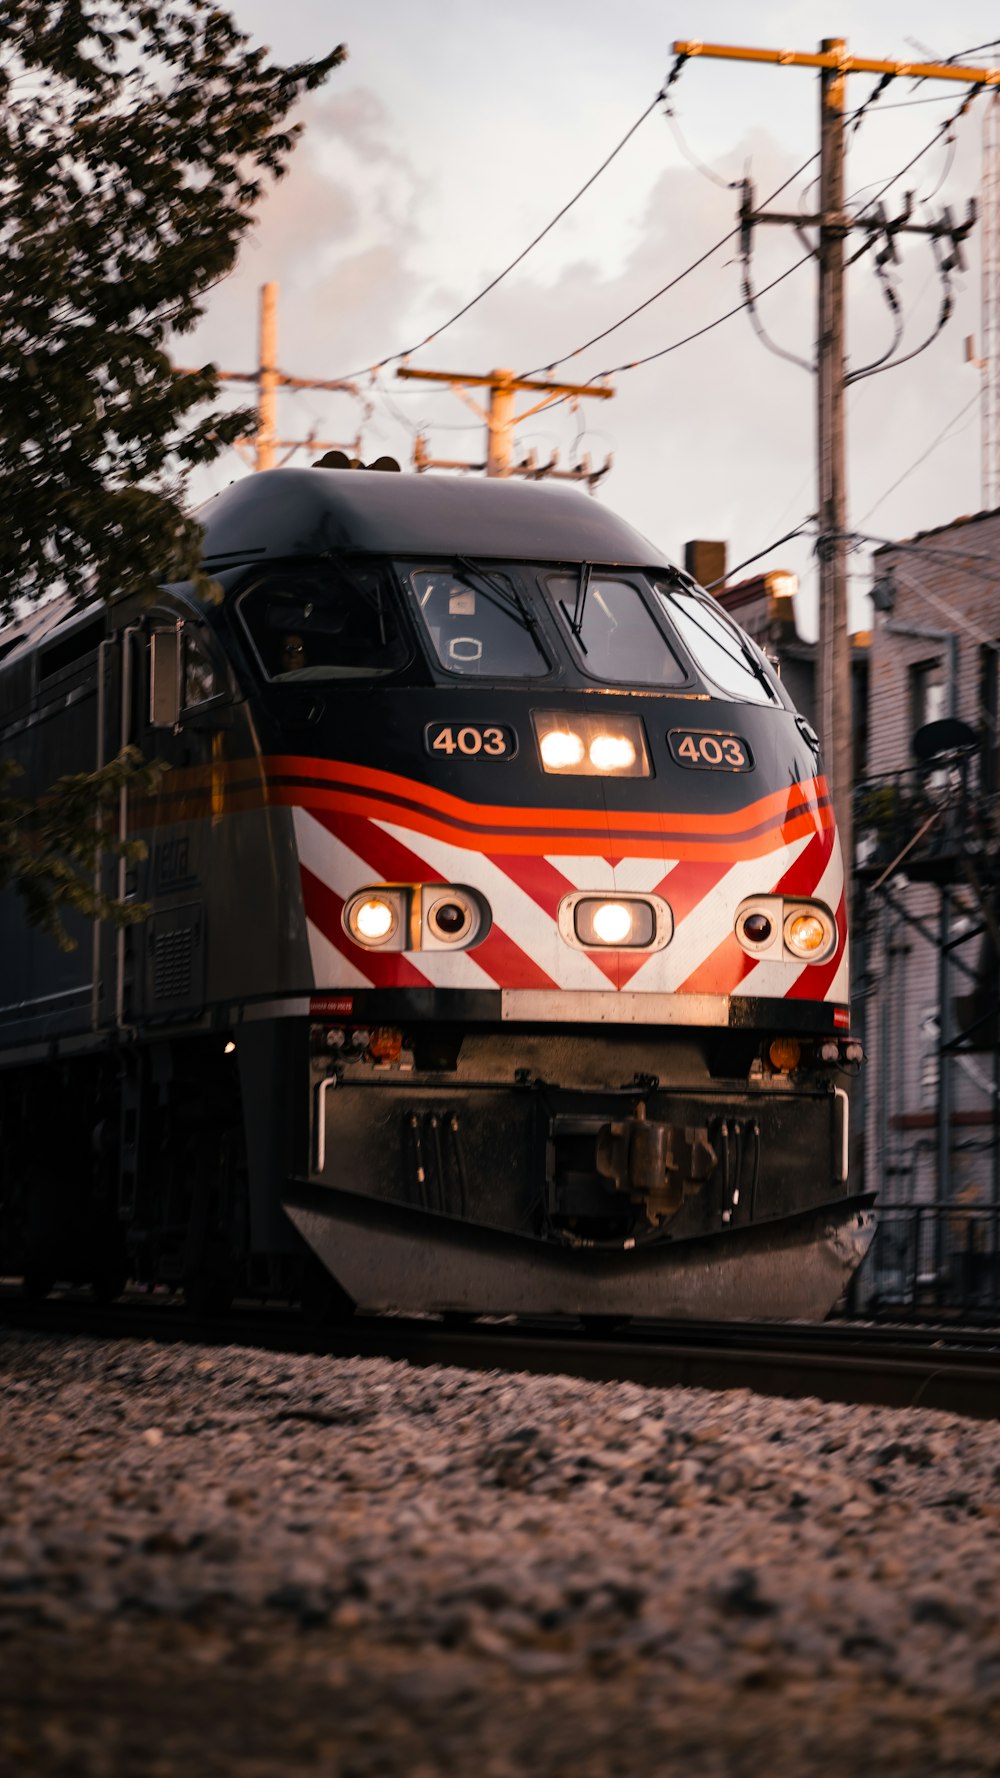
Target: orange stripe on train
[{"x": 778, "y": 804}]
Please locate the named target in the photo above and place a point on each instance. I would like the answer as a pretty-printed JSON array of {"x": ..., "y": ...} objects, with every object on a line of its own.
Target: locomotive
[{"x": 494, "y": 954}]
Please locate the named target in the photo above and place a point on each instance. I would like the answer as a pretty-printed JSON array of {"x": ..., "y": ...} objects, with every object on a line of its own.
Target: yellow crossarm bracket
[{"x": 839, "y": 63}]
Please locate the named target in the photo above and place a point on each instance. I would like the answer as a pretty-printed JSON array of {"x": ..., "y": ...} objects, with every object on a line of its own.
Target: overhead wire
[
  {"x": 554, "y": 363},
  {"x": 689, "y": 155},
  {"x": 799, "y": 531},
  {"x": 730, "y": 235},
  {"x": 938, "y": 440},
  {"x": 749, "y": 297},
  {"x": 407, "y": 352},
  {"x": 394, "y": 357},
  {"x": 942, "y": 129}
]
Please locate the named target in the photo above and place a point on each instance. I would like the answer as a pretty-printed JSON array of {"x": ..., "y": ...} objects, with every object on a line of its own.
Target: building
[
  {"x": 927, "y": 873},
  {"x": 926, "y": 896}
]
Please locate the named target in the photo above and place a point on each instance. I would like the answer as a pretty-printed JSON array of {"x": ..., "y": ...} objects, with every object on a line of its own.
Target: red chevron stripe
[
  {"x": 384, "y": 969},
  {"x": 392, "y": 862},
  {"x": 722, "y": 970},
  {"x": 547, "y": 886},
  {"x": 805, "y": 872},
  {"x": 729, "y": 963},
  {"x": 688, "y": 884},
  {"x": 682, "y": 889}
]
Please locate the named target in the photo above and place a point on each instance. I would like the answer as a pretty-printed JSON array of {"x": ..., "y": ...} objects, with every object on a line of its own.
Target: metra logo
[{"x": 172, "y": 864}]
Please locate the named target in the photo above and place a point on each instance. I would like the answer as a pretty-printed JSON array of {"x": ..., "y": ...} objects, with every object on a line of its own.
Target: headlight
[
  {"x": 417, "y": 917},
  {"x": 560, "y": 749},
  {"x": 374, "y": 920},
  {"x": 378, "y": 919},
  {"x": 612, "y": 753},
  {"x": 615, "y": 922},
  {"x": 611, "y": 921},
  {"x": 591, "y": 746}
]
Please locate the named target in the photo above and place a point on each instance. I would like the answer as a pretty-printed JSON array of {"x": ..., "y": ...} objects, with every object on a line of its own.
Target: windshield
[
  {"x": 477, "y": 624},
  {"x": 722, "y": 652},
  {"x": 613, "y": 629},
  {"x": 323, "y": 622}
]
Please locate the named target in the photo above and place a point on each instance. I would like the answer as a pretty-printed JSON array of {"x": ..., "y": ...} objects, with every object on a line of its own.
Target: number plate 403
[
  {"x": 470, "y": 740},
  {"x": 710, "y": 751}
]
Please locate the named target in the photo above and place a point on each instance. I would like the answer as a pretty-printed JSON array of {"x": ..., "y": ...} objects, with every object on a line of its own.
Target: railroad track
[{"x": 953, "y": 1369}]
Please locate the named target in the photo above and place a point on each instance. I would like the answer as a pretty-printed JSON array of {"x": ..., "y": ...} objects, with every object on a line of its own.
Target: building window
[
  {"x": 989, "y": 680},
  {"x": 927, "y": 694}
]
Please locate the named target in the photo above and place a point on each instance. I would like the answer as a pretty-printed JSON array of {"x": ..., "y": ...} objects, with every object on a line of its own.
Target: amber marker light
[
  {"x": 809, "y": 933},
  {"x": 785, "y": 1054}
]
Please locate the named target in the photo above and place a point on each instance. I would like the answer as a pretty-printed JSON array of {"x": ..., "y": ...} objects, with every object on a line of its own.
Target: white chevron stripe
[
  {"x": 345, "y": 872},
  {"x": 641, "y": 875},
  {"x": 514, "y": 911},
  {"x": 708, "y": 924},
  {"x": 518, "y": 915},
  {"x": 331, "y": 968},
  {"x": 584, "y": 873},
  {"x": 328, "y": 858}
]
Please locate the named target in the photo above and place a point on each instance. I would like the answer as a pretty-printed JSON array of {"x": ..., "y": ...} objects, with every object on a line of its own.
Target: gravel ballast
[{"x": 218, "y": 1561}]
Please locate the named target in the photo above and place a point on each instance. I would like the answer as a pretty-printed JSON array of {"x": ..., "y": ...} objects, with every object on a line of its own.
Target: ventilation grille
[
  {"x": 173, "y": 955},
  {"x": 175, "y": 959}
]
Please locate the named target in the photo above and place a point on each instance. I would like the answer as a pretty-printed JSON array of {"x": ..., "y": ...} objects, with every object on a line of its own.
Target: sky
[{"x": 456, "y": 131}]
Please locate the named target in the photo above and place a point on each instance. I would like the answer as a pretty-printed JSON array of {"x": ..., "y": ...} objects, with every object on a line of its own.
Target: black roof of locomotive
[{"x": 311, "y": 512}]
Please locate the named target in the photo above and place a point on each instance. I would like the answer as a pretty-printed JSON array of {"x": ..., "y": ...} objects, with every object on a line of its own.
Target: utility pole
[
  {"x": 268, "y": 379},
  {"x": 834, "y": 64},
  {"x": 500, "y": 421},
  {"x": 834, "y": 700},
  {"x": 990, "y": 362}
]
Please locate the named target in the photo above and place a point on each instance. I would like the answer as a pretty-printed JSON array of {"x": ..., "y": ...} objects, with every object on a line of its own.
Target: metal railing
[
  {"x": 925, "y": 815},
  {"x": 940, "y": 1257}
]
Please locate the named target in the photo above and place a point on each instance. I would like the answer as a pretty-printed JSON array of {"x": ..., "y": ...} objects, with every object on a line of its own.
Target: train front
[{"x": 578, "y": 1027}]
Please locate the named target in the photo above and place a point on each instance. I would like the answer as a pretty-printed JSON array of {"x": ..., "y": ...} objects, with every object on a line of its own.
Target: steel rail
[{"x": 950, "y": 1370}]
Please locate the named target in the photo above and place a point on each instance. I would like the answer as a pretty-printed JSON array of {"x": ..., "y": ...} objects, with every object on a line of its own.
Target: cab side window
[
  {"x": 199, "y": 680},
  {"x": 323, "y": 623}
]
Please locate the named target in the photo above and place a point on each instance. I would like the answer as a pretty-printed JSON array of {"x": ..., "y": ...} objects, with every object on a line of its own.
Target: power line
[
  {"x": 729, "y": 236},
  {"x": 810, "y": 519},
  {"x": 693, "y": 267},
  {"x": 636, "y": 363},
  {"x": 688, "y": 270},
  {"x": 690, "y": 156},
  {"x": 394, "y": 357},
  {"x": 942, "y": 129},
  {"x": 942, "y": 435}
]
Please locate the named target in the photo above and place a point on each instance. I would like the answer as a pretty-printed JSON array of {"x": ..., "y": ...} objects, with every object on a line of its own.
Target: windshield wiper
[
  {"x": 582, "y": 585},
  {"x": 746, "y": 654},
  {"x": 506, "y": 599}
]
